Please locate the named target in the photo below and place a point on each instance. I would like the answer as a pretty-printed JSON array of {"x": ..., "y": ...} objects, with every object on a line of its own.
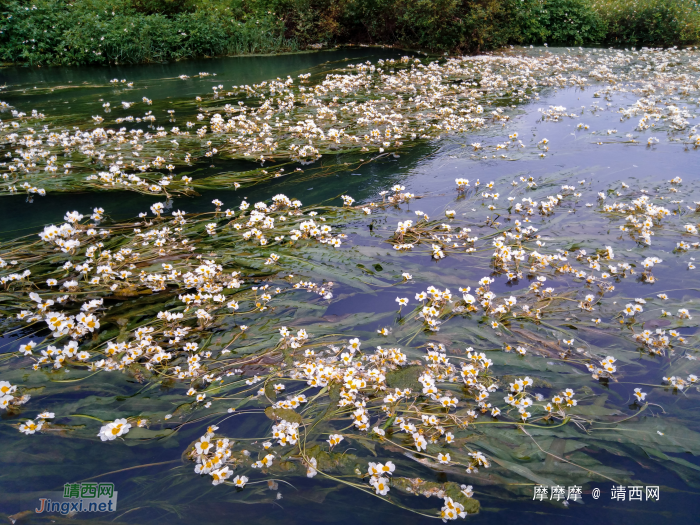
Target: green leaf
[
  {"x": 283, "y": 413},
  {"x": 146, "y": 433}
]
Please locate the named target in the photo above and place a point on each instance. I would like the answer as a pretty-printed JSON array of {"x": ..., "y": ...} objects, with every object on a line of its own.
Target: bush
[
  {"x": 562, "y": 22},
  {"x": 63, "y": 32},
  {"x": 161, "y": 7},
  {"x": 474, "y": 25},
  {"x": 114, "y": 31},
  {"x": 650, "y": 22}
]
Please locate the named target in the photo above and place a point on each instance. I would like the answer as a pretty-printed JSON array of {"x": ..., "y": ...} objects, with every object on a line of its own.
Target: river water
[{"x": 155, "y": 481}]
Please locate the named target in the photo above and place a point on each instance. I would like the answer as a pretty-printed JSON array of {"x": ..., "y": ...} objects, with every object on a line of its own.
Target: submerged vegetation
[
  {"x": 365, "y": 108},
  {"x": 524, "y": 349},
  {"x": 207, "y": 304},
  {"x": 81, "y": 32}
]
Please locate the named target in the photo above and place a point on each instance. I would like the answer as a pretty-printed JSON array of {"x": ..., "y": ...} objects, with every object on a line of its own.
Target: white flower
[
  {"x": 6, "y": 388},
  {"x": 5, "y": 401},
  {"x": 311, "y": 470},
  {"x": 240, "y": 481},
  {"x": 30, "y": 427},
  {"x": 221, "y": 475},
  {"x": 467, "y": 490},
  {"x": 443, "y": 458},
  {"x": 381, "y": 485},
  {"x": 113, "y": 430},
  {"x": 452, "y": 510},
  {"x": 334, "y": 439},
  {"x": 419, "y": 441}
]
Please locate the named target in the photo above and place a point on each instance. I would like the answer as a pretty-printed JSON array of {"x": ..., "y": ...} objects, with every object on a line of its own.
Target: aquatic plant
[
  {"x": 224, "y": 310},
  {"x": 363, "y": 109}
]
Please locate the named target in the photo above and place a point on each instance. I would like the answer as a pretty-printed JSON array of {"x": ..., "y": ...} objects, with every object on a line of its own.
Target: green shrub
[
  {"x": 650, "y": 22},
  {"x": 468, "y": 25},
  {"x": 561, "y": 22},
  {"x": 162, "y": 7},
  {"x": 74, "y": 32},
  {"x": 491, "y": 24},
  {"x": 113, "y": 31}
]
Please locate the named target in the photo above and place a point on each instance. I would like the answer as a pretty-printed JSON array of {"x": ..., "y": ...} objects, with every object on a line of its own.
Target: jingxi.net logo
[{"x": 79, "y": 497}]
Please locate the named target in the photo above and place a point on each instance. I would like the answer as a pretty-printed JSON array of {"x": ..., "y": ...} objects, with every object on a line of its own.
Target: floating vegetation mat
[
  {"x": 523, "y": 349},
  {"x": 364, "y": 108}
]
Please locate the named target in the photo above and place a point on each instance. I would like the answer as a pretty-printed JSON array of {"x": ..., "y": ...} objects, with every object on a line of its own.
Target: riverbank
[{"x": 88, "y": 32}]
